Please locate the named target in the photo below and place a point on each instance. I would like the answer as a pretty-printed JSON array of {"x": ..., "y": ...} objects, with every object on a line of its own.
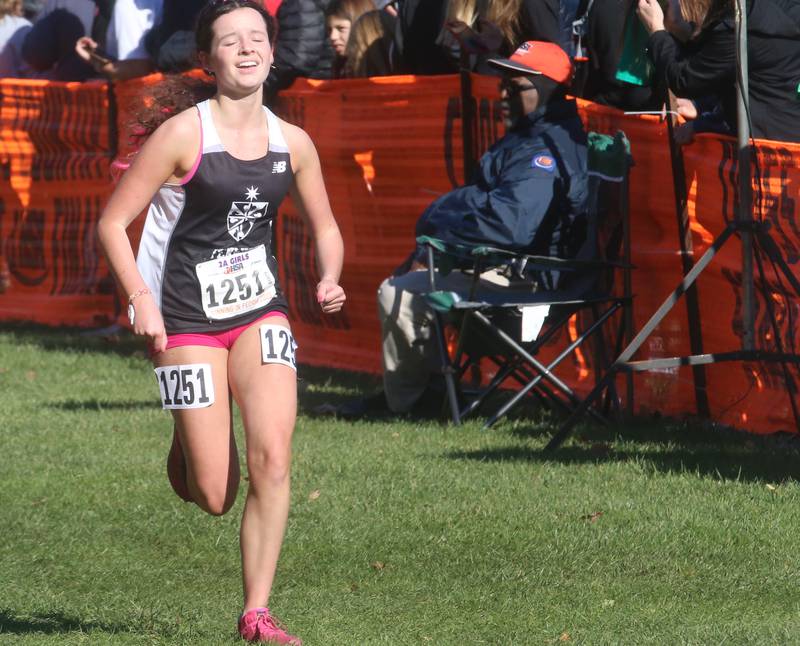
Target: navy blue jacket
[{"x": 529, "y": 193}]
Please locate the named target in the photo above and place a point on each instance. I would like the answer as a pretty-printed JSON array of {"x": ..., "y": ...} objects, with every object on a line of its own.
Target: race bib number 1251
[
  {"x": 234, "y": 284},
  {"x": 186, "y": 386}
]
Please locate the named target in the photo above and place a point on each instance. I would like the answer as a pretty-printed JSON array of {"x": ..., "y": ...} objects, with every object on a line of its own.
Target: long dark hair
[
  {"x": 203, "y": 31},
  {"x": 704, "y": 12}
]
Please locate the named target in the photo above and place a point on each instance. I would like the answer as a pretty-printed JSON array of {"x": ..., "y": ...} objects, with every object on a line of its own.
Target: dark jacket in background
[
  {"x": 708, "y": 64},
  {"x": 49, "y": 48},
  {"x": 171, "y": 43},
  {"x": 101, "y": 21},
  {"x": 541, "y": 20},
  {"x": 303, "y": 49},
  {"x": 419, "y": 23},
  {"x": 529, "y": 193}
]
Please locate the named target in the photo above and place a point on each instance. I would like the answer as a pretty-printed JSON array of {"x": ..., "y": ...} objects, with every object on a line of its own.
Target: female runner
[{"x": 204, "y": 288}]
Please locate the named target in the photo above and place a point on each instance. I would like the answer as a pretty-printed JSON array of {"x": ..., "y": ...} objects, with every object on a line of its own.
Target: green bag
[{"x": 635, "y": 66}]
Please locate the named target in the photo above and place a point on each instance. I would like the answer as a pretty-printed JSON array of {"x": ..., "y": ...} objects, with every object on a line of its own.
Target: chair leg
[
  {"x": 499, "y": 378},
  {"x": 447, "y": 369},
  {"x": 545, "y": 372}
]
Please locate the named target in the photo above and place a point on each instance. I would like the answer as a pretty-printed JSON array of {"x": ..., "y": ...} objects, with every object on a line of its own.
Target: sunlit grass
[{"x": 401, "y": 531}]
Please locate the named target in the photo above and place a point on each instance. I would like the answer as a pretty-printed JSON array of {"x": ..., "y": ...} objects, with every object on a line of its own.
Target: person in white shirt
[
  {"x": 130, "y": 22},
  {"x": 13, "y": 28}
]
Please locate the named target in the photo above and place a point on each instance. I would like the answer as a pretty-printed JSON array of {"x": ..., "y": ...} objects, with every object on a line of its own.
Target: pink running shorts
[{"x": 222, "y": 339}]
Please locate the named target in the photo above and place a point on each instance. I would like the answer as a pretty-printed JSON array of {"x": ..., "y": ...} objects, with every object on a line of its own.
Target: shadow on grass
[
  {"x": 80, "y": 406},
  {"x": 318, "y": 386},
  {"x": 52, "y": 623},
  {"x": 663, "y": 445},
  {"x": 110, "y": 340}
]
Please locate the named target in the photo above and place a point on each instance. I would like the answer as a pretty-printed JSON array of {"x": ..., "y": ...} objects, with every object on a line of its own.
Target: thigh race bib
[
  {"x": 277, "y": 345},
  {"x": 235, "y": 284},
  {"x": 187, "y": 386}
]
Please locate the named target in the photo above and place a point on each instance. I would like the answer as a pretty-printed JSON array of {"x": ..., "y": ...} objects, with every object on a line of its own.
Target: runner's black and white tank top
[{"x": 206, "y": 248}]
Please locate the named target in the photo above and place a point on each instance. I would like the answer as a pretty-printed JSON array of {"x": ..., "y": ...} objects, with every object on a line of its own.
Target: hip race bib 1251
[
  {"x": 235, "y": 284},
  {"x": 185, "y": 386}
]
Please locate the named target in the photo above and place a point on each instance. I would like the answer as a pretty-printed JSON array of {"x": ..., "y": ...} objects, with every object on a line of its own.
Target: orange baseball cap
[{"x": 538, "y": 57}]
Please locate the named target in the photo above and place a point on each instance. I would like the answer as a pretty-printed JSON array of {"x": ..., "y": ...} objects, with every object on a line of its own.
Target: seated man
[{"x": 529, "y": 194}]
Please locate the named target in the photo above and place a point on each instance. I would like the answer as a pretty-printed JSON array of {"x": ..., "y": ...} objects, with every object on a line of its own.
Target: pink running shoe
[{"x": 257, "y": 625}]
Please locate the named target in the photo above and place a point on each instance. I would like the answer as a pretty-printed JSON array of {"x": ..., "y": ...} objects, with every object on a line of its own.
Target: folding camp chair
[{"x": 498, "y": 323}]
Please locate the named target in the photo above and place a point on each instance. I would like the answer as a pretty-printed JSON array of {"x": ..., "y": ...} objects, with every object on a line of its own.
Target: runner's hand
[
  {"x": 330, "y": 296},
  {"x": 149, "y": 323}
]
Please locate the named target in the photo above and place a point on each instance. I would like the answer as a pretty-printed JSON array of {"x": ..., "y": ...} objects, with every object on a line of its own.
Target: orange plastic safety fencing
[
  {"x": 388, "y": 147},
  {"x": 751, "y": 396},
  {"x": 55, "y": 149},
  {"x": 382, "y": 171}
]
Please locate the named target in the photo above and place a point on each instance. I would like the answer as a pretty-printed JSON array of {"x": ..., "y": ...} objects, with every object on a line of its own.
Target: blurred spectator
[
  {"x": 49, "y": 47},
  {"x": 171, "y": 43},
  {"x": 339, "y": 19},
  {"x": 601, "y": 47},
  {"x": 419, "y": 23},
  {"x": 370, "y": 49},
  {"x": 126, "y": 55},
  {"x": 708, "y": 62},
  {"x": 13, "y": 28},
  {"x": 31, "y": 8},
  {"x": 303, "y": 49},
  {"x": 477, "y": 28},
  {"x": 83, "y": 10}
]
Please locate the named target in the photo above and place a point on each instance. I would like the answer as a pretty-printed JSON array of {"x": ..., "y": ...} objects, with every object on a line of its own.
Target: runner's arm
[
  {"x": 311, "y": 199},
  {"x": 163, "y": 156}
]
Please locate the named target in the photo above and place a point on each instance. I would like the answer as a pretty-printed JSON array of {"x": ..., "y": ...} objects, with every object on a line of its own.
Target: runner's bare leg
[
  {"x": 267, "y": 397},
  {"x": 206, "y": 434}
]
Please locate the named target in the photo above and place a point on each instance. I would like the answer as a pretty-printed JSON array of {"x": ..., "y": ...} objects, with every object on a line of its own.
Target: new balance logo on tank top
[{"x": 206, "y": 248}]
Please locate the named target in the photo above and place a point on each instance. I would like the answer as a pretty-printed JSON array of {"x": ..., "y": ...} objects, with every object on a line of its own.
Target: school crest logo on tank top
[{"x": 243, "y": 215}]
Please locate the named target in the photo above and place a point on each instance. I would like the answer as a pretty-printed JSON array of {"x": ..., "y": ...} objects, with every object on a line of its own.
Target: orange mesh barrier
[
  {"x": 388, "y": 147},
  {"x": 54, "y": 158}
]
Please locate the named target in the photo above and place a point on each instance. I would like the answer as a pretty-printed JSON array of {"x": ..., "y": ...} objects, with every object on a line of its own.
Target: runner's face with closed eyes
[{"x": 241, "y": 53}]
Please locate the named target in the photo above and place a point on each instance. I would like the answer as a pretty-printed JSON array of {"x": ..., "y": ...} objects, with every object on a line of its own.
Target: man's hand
[
  {"x": 651, "y": 15},
  {"x": 330, "y": 296}
]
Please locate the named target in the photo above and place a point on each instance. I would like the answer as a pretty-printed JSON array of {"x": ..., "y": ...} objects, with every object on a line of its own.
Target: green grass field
[{"x": 401, "y": 531}]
